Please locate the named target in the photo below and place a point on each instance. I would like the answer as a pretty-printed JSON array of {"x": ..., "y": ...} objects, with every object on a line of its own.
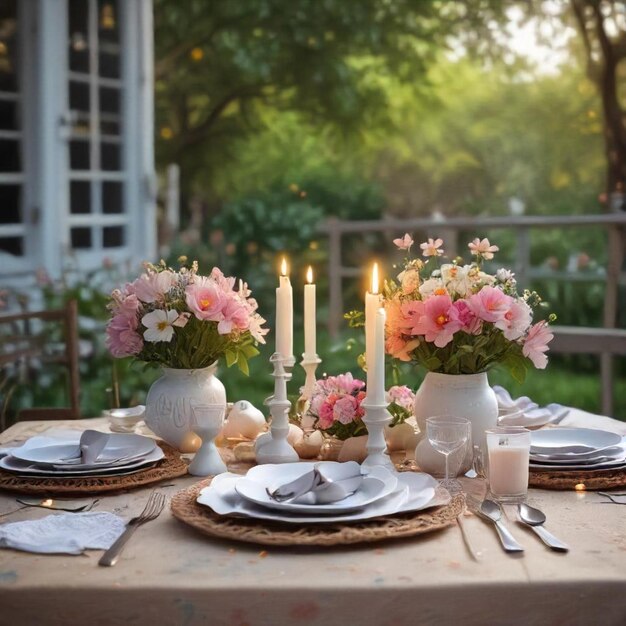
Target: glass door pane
[
  {"x": 96, "y": 185},
  {"x": 12, "y": 229}
]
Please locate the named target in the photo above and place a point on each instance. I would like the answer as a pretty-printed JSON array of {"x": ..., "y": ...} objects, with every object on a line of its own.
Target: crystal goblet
[
  {"x": 447, "y": 434},
  {"x": 209, "y": 419}
]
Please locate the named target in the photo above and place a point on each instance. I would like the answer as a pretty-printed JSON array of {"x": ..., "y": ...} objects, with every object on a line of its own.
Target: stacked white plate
[
  {"x": 59, "y": 457},
  {"x": 564, "y": 449},
  {"x": 382, "y": 492}
]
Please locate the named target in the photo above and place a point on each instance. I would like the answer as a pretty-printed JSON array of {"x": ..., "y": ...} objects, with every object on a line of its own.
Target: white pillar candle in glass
[
  {"x": 284, "y": 314},
  {"x": 373, "y": 301},
  {"x": 508, "y": 450},
  {"x": 310, "y": 347}
]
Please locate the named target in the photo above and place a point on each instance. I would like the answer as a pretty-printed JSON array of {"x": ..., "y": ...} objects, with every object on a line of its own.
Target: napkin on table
[
  {"x": 532, "y": 413},
  {"x": 64, "y": 533}
]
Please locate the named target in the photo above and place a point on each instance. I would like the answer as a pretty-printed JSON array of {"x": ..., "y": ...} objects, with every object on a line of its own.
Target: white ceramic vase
[
  {"x": 170, "y": 401},
  {"x": 462, "y": 395}
]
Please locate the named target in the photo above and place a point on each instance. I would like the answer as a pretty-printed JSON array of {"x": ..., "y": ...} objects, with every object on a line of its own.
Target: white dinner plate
[
  {"x": 560, "y": 440},
  {"x": 118, "y": 446},
  {"x": 616, "y": 464},
  {"x": 611, "y": 451},
  {"x": 261, "y": 478},
  {"x": 26, "y": 468},
  {"x": 414, "y": 492},
  {"x": 371, "y": 489}
]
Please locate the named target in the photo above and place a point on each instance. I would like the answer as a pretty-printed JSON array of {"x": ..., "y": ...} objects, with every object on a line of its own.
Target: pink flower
[
  {"x": 401, "y": 395},
  {"x": 482, "y": 248},
  {"x": 404, "y": 243},
  {"x": 226, "y": 284},
  {"x": 256, "y": 330},
  {"x": 470, "y": 323},
  {"x": 490, "y": 304},
  {"x": 326, "y": 412},
  {"x": 205, "y": 299},
  {"x": 181, "y": 320},
  {"x": 412, "y": 311},
  {"x": 432, "y": 247},
  {"x": 235, "y": 315},
  {"x": 153, "y": 286},
  {"x": 399, "y": 347},
  {"x": 439, "y": 321},
  {"x": 122, "y": 339},
  {"x": 536, "y": 343},
  {"x": 516, "y": 320},
  {"x": 344, "y": 410},
  {"x": 396, "y": 320}
]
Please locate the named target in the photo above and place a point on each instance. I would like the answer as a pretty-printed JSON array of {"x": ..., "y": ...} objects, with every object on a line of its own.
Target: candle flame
[
  {"x": 580, "y": 487},
  {"x": 283, "y": 267},
  {"x": 375, "y": 278},
  {"x": 309, "y": 275}
]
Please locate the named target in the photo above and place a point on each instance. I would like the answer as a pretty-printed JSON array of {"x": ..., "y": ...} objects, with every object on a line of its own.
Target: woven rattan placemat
[
  {"x": 172, "y": 466},
  {"x": 186, "y": 509},
  {"x": 591, "y": 479}
]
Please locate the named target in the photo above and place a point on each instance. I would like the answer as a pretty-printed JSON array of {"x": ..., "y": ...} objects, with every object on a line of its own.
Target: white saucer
[{"x": 414, "y": 492}]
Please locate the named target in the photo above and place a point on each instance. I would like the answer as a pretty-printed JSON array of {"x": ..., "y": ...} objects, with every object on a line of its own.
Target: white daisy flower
[{"x": 159, "y": 325}]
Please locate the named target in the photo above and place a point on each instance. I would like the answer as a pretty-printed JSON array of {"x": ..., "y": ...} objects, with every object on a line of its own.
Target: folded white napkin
[
  {"x": 63, "y": 533},
  {"x": 531, "y": 413}
]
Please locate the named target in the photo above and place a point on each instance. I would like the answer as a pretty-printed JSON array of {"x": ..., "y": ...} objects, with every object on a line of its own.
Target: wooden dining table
[{"x": 170, "y": 573}]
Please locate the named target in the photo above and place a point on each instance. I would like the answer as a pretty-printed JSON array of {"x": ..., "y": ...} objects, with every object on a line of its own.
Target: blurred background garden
[{"x": 273, "y": 117}]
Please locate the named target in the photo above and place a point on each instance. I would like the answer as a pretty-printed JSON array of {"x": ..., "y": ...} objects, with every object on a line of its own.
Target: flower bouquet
[
  {"x": 455, "y": 318},
  {"x": 337, "y": 411},
  {"x": 182, "y": 320}
]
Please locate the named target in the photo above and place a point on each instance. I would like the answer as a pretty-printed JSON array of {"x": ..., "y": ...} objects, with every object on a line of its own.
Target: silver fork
[{"x": 152, "y": 510}]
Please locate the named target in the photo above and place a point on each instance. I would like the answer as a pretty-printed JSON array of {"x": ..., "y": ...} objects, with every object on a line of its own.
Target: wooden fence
[{"x": 605, "y": 342}]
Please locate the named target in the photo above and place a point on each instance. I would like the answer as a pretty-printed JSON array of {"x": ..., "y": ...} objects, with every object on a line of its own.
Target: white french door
[{"x": 76, "y": 134}]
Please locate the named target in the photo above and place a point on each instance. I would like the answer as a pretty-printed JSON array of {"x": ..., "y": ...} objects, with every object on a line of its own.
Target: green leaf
[
  {"x": 231, "y": 357},
  {"x": 242, "y": 364}
]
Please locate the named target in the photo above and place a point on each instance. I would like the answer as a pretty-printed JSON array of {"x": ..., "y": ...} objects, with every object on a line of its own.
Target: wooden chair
[{"x": 22, "y": 344}]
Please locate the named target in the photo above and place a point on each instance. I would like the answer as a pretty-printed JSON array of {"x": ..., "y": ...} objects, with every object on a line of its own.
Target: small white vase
[
  {"x": 461, "y": 395},
  {"x": 169, "y": 412}
]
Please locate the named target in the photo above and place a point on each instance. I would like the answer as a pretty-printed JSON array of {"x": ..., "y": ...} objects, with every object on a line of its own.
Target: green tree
[{"x": 216, "y": 61}]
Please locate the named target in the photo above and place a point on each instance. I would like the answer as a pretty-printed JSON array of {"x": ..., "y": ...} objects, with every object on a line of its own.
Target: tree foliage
[{"x": 216, "y": 61}]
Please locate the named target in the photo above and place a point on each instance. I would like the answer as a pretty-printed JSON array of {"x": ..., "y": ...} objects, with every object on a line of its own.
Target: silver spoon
[
  {"x": 535, "y": 519},
  {"x": 492, "y": 511}
]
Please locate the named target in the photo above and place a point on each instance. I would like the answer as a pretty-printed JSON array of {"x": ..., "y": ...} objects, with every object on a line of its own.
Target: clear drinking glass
[
  {"x": 447, "y": 434},
  {"x": 508, "y": 449}
]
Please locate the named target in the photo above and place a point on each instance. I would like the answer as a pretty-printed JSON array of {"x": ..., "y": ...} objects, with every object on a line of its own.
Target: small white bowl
[{"x": 125, "y": 420}]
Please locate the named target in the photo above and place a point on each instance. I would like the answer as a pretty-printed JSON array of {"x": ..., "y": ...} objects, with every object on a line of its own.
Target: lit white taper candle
[
  {"x": 284, "y": 314},
  {"x": 373, "y": 302},
  {"x": 310, "y": 347},
  {"x": 376, "y": 373}
]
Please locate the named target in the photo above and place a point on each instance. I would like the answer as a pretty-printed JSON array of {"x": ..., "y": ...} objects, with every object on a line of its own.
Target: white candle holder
[
  {"x": 376, "y": 418},
  {"x": 273, "y": 446},
  {"x": 309, "y": 364}
]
